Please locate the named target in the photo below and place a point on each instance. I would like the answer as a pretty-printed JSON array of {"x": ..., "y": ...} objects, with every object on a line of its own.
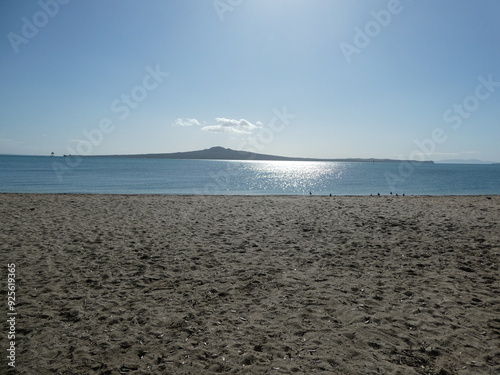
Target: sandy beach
[{"x": 109, "y": 284}]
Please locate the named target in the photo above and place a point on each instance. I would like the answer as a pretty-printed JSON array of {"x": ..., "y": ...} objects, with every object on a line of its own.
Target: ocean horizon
[{"x": 108, "y": 175}]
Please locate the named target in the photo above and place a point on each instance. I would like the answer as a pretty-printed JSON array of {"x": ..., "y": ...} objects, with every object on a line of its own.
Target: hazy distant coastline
[{"x": 221, "y": 153}]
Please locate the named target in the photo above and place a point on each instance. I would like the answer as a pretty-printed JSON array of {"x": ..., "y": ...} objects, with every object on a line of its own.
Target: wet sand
[{"x": 110, "y": 284}]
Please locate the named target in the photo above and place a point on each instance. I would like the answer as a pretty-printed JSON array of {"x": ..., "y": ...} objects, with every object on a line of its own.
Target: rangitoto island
[{"x": 221, "y": 153}]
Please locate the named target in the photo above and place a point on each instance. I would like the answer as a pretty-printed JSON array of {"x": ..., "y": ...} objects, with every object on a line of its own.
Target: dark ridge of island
[{"x": 221, "y": 153}]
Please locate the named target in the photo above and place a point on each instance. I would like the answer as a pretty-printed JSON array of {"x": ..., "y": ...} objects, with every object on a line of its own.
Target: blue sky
[{"x": 312, "y": 78}]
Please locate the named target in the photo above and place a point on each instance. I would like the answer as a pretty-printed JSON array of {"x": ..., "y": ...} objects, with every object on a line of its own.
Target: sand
[{"x": 110, "y": 284}]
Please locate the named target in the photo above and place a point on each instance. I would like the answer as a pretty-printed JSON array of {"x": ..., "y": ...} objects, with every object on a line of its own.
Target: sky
[{"x": 307, "y": 78}]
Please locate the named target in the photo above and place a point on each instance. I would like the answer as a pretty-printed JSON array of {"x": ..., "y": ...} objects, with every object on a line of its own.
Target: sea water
[{"x": 37, "y": 174}]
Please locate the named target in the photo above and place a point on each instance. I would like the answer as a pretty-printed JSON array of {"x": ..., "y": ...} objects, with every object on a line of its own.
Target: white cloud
[
  {"x": 186, "y": 122},
  {"x": 225, "y": 125}
]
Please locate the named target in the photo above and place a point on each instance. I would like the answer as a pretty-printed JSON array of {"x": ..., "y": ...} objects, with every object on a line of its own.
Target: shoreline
[
  {"x": 155, "y": 284},
  {"x": 263, "y": 195}
]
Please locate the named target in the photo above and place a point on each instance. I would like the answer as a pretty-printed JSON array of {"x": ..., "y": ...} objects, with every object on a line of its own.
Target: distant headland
[{"x": 221, "y": 153}]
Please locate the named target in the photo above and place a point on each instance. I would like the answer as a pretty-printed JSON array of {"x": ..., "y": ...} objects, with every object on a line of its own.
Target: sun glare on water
[{"x": 298, "y": 175}]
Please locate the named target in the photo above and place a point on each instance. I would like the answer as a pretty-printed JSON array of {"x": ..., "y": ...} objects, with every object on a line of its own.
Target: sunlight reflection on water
[{"x": 297, "y": 176}]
